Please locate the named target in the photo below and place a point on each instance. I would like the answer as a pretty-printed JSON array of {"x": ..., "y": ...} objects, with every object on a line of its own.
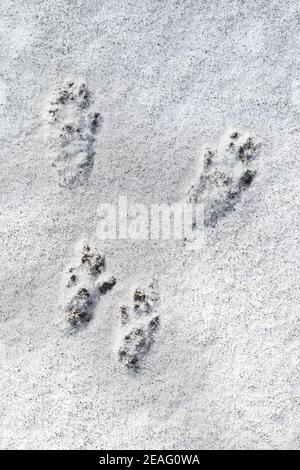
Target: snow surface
[{"x": 167, "y": 77}]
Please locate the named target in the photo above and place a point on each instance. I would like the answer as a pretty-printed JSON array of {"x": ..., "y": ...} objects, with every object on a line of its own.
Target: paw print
[
  {"x": 84, "y": 285},
  {"x": 138, "y": 326},
  {"x": 227, "y": 172},
  {"x": 73, "y": 130}
]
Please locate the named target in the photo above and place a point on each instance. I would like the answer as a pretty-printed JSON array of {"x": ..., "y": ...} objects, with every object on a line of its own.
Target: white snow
[{"x": 167, "y": 78}]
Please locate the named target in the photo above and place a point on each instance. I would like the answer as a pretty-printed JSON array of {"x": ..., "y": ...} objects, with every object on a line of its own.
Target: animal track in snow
[
  {"x": 73, "y": 133},
  {"x": 84, "y": 284},
  {"x": 227, "y": 172},
  {"x": 138, "y": 326}
]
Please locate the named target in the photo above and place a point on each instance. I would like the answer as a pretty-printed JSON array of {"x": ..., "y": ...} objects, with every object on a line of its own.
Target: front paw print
[
  {"x": 84, "y": 285},
  {"x": 139, "y": 325}
]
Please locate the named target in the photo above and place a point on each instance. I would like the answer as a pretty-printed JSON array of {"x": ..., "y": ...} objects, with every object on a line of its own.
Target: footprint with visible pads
[
  {"x": 73, "y": 127},
  {"x": 227, "y": 172},
  {"x": 139, "y": 325},
  {"x": 83, "y": 285}
]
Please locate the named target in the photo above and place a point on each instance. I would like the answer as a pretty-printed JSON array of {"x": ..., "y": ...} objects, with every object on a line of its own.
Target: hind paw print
[
  {"x": 84, "y": 285},
  {"x": 227, "y": 172},
  {"x": 73, "y": 128},
  {"x": 139, "y": 325}
]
